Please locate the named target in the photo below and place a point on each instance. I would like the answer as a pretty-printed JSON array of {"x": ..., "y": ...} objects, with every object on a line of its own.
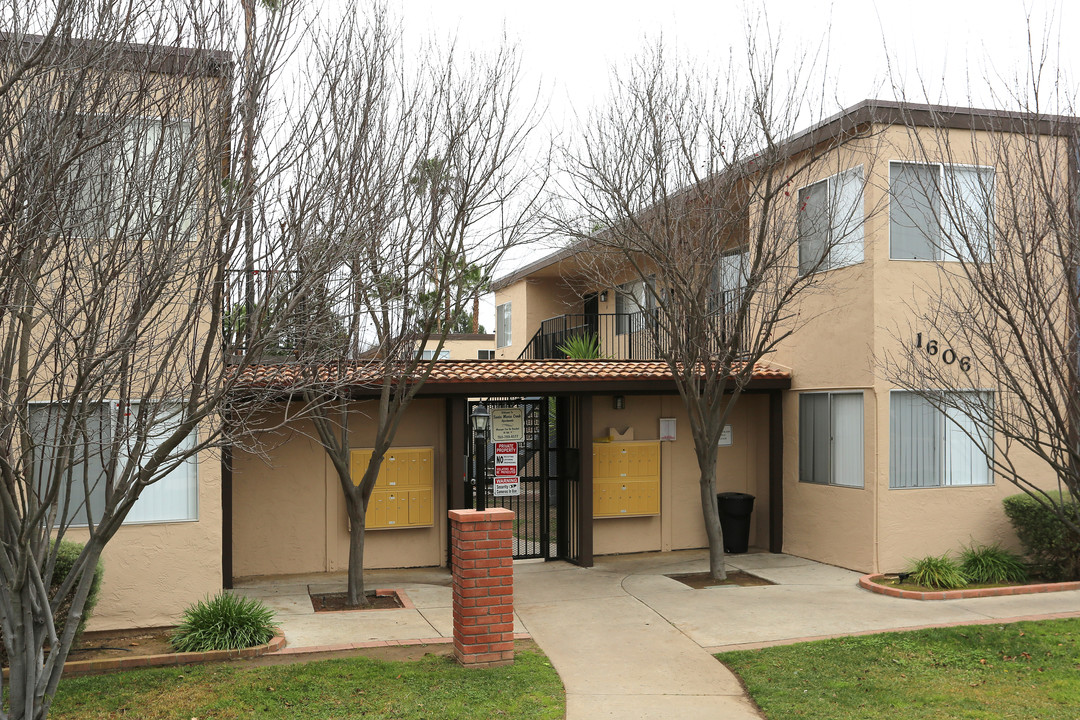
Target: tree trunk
[
  {"x": 357, "y": 518},
  {"x": 712, "y": 519},
  {"x": 476, "y": 314}
]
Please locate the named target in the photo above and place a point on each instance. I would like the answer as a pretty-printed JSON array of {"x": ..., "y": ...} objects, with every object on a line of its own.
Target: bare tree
[
  {"x": 993, "y": 342},
  {"x": 417, "y": 188},
  {"x": 688, "y": 182},
  {"x": 120, "y": 225}
]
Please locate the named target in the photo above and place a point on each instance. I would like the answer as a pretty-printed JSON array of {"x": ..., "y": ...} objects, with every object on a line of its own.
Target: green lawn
[
  {"x": 1025, "y": 670},
  {"x": 434, "y": 687}
]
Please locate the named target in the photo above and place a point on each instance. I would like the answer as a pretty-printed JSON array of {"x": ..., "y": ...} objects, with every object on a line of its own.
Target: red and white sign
[
  {"x": 506, "y": 469},
  {"x": 507, "y": 486}
]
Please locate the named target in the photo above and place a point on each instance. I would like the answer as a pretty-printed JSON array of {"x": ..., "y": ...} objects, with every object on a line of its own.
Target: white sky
[{"x": 569, "y": 47}]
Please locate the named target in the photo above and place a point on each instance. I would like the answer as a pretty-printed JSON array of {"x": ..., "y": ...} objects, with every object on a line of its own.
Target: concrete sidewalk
[{"x": 630, "y": 642}]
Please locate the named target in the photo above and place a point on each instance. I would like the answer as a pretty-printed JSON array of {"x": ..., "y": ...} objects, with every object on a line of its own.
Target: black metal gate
[{"x": 537, "y": 527}]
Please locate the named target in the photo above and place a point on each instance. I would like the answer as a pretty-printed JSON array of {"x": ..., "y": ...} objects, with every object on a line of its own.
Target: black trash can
[{"x": 735, "y": 509}]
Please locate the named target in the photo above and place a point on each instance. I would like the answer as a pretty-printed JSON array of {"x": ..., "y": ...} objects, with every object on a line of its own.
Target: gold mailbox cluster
[
  {"x": 626, "y": 479},
  {"x": 402, "y": 497}
]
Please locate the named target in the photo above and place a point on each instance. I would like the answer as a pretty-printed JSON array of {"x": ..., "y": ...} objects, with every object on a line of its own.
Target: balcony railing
[{"x": 617, "y": 336}]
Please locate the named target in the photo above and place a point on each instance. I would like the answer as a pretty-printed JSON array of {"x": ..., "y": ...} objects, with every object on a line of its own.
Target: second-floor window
[
  {"x": 502, "y": 325},
  {"x": 940, "y": 212},
  {"x": 485, "y": 354},
  {"x": 429, "y": 354},
  {"x": 632, "y": 301},
  {"x": 133, "y": 178},
  {"x": 831, "y": 222}
]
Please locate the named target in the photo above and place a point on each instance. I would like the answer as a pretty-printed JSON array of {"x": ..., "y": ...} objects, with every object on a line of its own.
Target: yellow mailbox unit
[
  {"x": 626, "y": 479},
  {"x": 404, "y": 489}
]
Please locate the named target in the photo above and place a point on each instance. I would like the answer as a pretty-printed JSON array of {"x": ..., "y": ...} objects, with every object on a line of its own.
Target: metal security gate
[{"x": 536, "y": 508}]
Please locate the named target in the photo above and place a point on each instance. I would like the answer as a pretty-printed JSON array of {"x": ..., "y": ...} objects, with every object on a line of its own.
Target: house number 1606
[{"x": 947, "y": 356}]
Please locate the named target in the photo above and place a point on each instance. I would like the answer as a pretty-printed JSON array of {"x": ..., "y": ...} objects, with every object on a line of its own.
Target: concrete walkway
[{"x": 630, "y": 642}]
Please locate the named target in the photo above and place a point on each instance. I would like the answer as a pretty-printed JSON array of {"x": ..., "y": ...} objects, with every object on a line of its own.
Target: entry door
[
  {"x": 536, "y": 516},
  {"x": 591, "y": 307}
]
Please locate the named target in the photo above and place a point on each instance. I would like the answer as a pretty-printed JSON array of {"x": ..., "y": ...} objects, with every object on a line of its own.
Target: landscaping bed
[
  {"x": 378, "y": 599},
  {"x": 893, "y": 587},
  {"x": 735, "y": 578}
]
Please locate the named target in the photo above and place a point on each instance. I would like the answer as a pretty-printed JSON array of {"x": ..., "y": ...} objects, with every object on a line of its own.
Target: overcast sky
[{"x": 568, "y": 47}]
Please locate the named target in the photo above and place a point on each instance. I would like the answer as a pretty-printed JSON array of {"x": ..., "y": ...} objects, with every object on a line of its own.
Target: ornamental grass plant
[
  {"x": 224, "y": 622},
  {"x": 937, "y": 571},
  {"x": 992, "y": 565}
]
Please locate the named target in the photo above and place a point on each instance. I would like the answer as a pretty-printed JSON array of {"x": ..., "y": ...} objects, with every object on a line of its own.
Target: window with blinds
[
  {"x": 831, "y": 438},
  {"x": 940, "y": 212},
  {"x": 946, "y": 443},
  {"x": 831, "y": 222},
  {"x": 90, "y": 446}
]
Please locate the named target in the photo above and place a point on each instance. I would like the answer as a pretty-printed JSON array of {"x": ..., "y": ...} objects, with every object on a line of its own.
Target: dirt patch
[
  {"x": 338, "y": 602},
  {"x": 700, "y": 581},
  {"x": 122, "y": 644}
]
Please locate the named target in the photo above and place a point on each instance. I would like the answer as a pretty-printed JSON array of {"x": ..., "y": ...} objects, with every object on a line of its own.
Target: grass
[
  {"x": 434, "y": 687},
  {"x": 1023, "y": 670}
]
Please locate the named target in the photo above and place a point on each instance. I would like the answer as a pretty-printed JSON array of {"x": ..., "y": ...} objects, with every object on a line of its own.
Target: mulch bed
[
  {"x": 121, "y": 644},
  {"x": 700, "y": 581},
  {"x": 338, "y": 602}
]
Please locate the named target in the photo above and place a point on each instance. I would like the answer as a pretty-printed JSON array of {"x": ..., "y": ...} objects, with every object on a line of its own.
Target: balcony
[{"x": 619, "y": 336}]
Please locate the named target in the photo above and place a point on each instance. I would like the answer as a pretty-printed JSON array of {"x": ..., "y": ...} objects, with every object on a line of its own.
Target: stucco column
[{"x": 481, "y": 560}]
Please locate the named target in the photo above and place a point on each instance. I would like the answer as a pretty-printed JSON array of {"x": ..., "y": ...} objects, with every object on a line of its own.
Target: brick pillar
[{"x": 481, "y": 558}]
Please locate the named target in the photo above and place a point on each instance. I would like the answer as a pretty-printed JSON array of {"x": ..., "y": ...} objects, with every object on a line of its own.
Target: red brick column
[{"x": 481, "y": 558}]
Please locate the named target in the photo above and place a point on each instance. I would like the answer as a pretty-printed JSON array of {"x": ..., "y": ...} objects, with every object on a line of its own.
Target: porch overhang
[{"x": 472, "y": 378}]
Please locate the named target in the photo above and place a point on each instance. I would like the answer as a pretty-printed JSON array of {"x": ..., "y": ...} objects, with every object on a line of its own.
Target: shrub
[
  {"x": 223, "y": 622},
  {"x": 988, "y": 564},
  {"x": 1052, "y": 547},
  {"x": 66, "y": 555},
  {"x": 939, "y": 572},
  {"x": 582, "y": 347}
]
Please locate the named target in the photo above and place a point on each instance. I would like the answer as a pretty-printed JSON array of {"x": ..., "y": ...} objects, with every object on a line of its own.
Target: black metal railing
[{"x": 619, "y": 336}]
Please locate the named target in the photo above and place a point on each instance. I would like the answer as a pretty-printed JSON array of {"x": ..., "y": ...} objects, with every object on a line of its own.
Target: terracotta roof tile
[{"x": 448, "y": 372}]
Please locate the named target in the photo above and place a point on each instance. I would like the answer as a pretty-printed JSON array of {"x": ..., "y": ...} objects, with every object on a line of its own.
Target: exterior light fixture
[
  {"x": 603, "y": 296},
  {"x": 618, "y": 402},
  {"x": 480, "y": 418}
]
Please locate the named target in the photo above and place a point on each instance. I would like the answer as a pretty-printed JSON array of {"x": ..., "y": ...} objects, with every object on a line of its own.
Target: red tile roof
[{"x": 450, "y": 372}]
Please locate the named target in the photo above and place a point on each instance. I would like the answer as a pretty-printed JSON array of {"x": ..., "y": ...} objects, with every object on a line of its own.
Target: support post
[
  {"x": 776, "y": 471},
  {"x": 481, "y": 559},
  {"x": 585, "y": 481}
]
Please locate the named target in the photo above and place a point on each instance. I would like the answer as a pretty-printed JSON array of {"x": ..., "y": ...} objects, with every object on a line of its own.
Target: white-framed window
[
  {"x": 830, "y": 224},
  {"x": 485, "y": 354},
  {"x": 502, "y": 325},
  {"x": 943, "y": 445},
  {"x": 632, "y": 301},
  {"x": 831, "y": 438},
  {"x": 429, "y": 354},
  {"x": 172, "y": 498},
  {"x": 940, "y": 212}
]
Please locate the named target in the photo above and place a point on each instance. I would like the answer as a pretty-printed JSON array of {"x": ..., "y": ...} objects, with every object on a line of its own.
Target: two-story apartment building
[
  {"x": 870, "y": 475},
  {"x": 846, "y": 468}
]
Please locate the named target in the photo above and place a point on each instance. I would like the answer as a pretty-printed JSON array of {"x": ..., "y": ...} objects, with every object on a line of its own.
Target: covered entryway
[{"x": 547, "y": 472}]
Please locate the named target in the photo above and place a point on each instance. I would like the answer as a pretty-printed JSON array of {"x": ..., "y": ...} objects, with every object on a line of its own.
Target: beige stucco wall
[
  {"x": 463, "y": 347},
  {"x": 743, "y": 467},
  {"x": 288, "y": 509},
  {"x": 154, "y": 570},
  {"x": 534, "y": 300}
]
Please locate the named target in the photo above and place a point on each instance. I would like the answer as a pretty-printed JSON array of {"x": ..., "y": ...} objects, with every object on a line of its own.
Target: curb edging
[
  {"x": 869, "y": 582},
  {"x": 90, "y": 667}
]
